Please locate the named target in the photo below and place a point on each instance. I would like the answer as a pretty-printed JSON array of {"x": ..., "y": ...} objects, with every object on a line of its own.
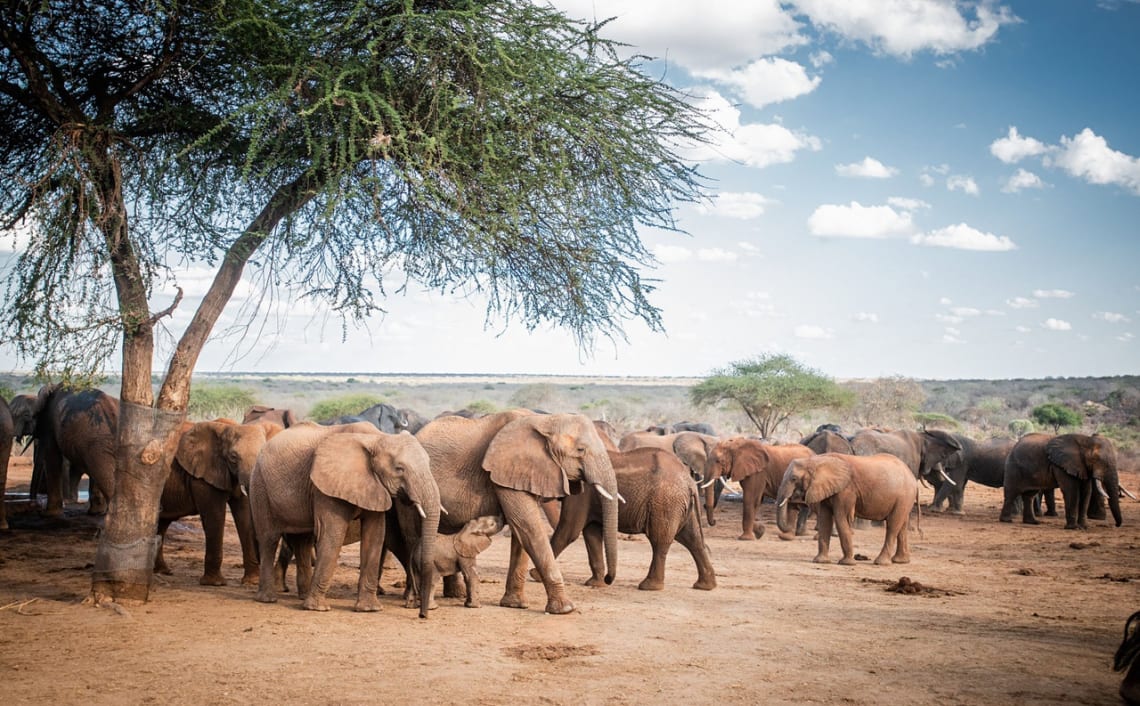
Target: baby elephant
[{"x": 458, "y": 555}]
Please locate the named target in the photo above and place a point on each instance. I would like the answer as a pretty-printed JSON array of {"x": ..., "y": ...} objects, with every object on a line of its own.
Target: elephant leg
[
  {"x": 843, "y": 526},
  {"x": 824, "y": 521},
  {"x": 528, "y": 538},
  {"x": 1050, "y": 503},
  {"x": 690, "y": 538},
  {"x": 471, "y": 580},
  {"x": 329, "y": 529},
  {"x": 281, "y": 566},
  {"x": 957, "y": 499},
  {"x": 243, "y": 523},
  {"x": 1009, "y": 505},
  {"x": 802, "y": 519},
  {"x": 100, "y": 484},
  {"x": 267, "y": 587},
  {"x": 303, "y": 548},
  {"x": 749, "y": 511},
  {"x": 902, "y": 536},
  {"x": 372, "y": 529},
  {"x": 213, "y": 514},
  {"x": 160, "y": 566},
  {"x": 1027, "y": 508},
  {"x": 655, "y": 579},
  {"x": 53, "y": 476},
  {"x": 595, "y": 554},
  {"x": 1097, "y": 510},
  {"x": 452, "y": 588}
]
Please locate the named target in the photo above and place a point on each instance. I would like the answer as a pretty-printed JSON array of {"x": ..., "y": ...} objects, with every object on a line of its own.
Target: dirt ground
[{"x": 1008, "y": 614}]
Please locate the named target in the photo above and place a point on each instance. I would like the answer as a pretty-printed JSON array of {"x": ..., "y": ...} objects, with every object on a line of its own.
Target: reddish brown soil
[{"x": 990, "y": 614}]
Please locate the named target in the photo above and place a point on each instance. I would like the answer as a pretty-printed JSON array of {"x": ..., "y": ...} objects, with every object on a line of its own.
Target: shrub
[
  {"x": 935, "y": 420},
  {"x": 343, "y": 405},
  {"x": 1056, "y": 415},
  {"x": 481, "y": 407},
  {"x": 1021, "y": 427},
  {"x": 213, "y": 401}
]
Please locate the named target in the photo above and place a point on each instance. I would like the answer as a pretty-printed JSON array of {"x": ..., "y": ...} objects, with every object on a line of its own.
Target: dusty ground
[{"x": 1011, "y": 614}]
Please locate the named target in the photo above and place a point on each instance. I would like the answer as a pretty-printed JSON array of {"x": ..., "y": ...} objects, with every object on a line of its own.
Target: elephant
[
  {"x": 637, "y": 439},
  {"x": 758, "y": 467},
  {"x": 921, "y": 451},
  {"x": 413, "y": 420},
  {"x": 828, "y": 439},
  {"x": 693, "y": 448},
  {"x": 843, "y": 487},
  {"x": 507, "y": 464},
  {"x": 285, "y": 417},
  {"x": 209, "y": 464},
  {"x": 1075, "y": 463},
  {"x": 383, "y": 416},
  {"x": 678, "y": 427},
  {"x": 7, "y": 437},
  {"x": 661, "y": 502},
  {"x": 458, "y": 555},
  {"x": 76, "y": 427},
  {"x": 312, "y": 481},
  {"x": 978, "y": 461}
]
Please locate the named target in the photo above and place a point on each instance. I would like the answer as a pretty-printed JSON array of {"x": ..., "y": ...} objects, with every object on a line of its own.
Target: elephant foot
[
  {"x": 821, "y": 559},
  {"x": 758, "y": 530},
  {"x": 556, "y": 606},
  {"x": 849, "y": 561},
  {"x": 512, "y": 602},
  {"x": 747, "y": 537},
  {"x": 787, "y": 536},
  {"x": 472, "y": 604},
  {"x": 367, "y": 604},
  {"x": 901, "y": 559},
  {"x": 934, "y": 508},
  {"x": 1050, "y": 513},
  {"x": 251, "y": 579},
  {"x": 1003, "y": 518},
  {"x": 212, "y": 580},
  {"x": 712, "y": 523},
  {"x": 314, "y": 603},
  {"x": 265, "y": 597},
  {"x": 880, "y": 560},
  {"x": 705, "y": 584},
  {"x": 957, "y": 511},
  {"x": 1030, "y": 521},
  {"x": 53, "y": 512},
  {"x": 595, "y": 582},
  {"x": 164, "y": 570},
  {"x": 649, "y": 584}
]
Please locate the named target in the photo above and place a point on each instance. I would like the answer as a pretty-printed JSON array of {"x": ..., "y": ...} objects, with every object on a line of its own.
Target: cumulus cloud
[
  {"x": 948, "y": 318},
  {"x": 1056, "y": 325},
  {"x": 1021, "y": 180},
  {"x": 869, "y": 168},
  {"x": 963, "y": 237},
  {"x": 813, "y": 332},
  {"x": 715, "y": 255},
  {"x": 741, "y": 205},
  {"x": 925, "y": 179},
  {"x": 963, "y": 183},
  {"x": 865, "y": 317},
  {"x": 748, "y": 248},
  {"x": 1022, "y": 329},
  {"x": 904, "y": 27},
  {"x": 1052, "y": 294},
  {"x": 858, "y": 221},
  {"x": 765, "y": 81},
  {"x": 1125, "y": 337},
  {"x": 1021, "y": 303},
  {"x": 752, "y": 144},
  {"x": 1111, "y": 317},
  {"x": 965, "y": 311},
  {"x": 1087, "y": 156},
  {"x": 1013, "y": 147},
  {"x": 821, "y": 58},
  {"x": 672, "y": 253},
  {"x": 907, "y": 204}
]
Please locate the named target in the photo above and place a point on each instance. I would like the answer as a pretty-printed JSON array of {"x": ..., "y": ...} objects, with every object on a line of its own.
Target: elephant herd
[{"x": 434, "y": 492}]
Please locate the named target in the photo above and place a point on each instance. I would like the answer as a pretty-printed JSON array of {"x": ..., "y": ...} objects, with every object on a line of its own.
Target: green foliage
[
  {"x": 342, "y": 406},
  {"x": 1125, "y": 436},
  {"x": 770, "y": 389},
  {"x": 6, "y": 392},
  {"x": 1056, "y": 415},
  {"x": 935, "y": 420},
  {"x": 535, "y": 396},
  {"x": 214, "y": 401},
  {"x": 1021, "y": 427},
  {"x": 481, "y": 407}
]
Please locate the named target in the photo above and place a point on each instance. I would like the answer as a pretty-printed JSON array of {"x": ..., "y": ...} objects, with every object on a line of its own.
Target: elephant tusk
[
  {"x": 783, "y": 502},
  {"x": 420, "y": 509},
  {"x": 708, "y": 483},
  {"x": 1100, "y": 488},
  {"x": 443, "y": 509},
  {"x": 603, "y": 492},
  {"x": 946, "y": 478},
  {"x": 621, "y": 498},
  {"x": 1128, "y": 493},
  {"x": 24, "y": 450}
]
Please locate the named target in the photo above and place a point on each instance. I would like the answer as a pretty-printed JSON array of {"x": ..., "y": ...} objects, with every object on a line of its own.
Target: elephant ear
[
  {"x": 345, "y": 466},
  {"x": 518, "y": 458},
  {"x": 831, "y": 475},
  {"x": 199, "y": 453},
  {"x": 468, "y": 544},
  {"x": 748, "y": 458},
  {"x": 1065, "y": 451}
]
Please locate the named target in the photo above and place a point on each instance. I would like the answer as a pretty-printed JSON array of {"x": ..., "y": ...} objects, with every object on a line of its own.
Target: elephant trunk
[
  {"x": 425, "y": 494},
  {"x": 1112, "y": 487},
  {"x": 782, "y": 503},
  {"x": 600, "y": 473}
]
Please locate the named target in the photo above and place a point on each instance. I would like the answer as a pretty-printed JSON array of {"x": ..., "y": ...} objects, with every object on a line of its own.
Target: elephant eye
[{"x": 399, "y": 470}]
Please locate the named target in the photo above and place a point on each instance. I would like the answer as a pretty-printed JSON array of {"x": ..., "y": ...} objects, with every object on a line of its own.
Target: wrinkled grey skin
[
  {"x": 285, "y": 417},
  {"x": 1071, "y": 462},
  {"x": 678, "y": 427},
  {"x": 455, "y": 554},
  {"x": 978, "y": 461},
  {"x": 384, "y": 417},
  {"x": 921, "y": 451}
]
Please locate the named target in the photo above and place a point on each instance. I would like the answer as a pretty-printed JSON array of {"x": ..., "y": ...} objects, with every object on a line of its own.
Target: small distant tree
[
  {"x": 1056, "y": 415},
  {"x": 890, "y": 400},
  {"x": 343, "y": 406},
  {"x": 1021, "y": 427},
  {"x": 936, "y": 420},
  {"x": 770, "y": 389},
  {"x": 212, "y": 401}
]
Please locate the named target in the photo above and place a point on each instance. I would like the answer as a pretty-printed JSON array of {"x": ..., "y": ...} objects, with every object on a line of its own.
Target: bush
[
  {"x": 343, "y": 405},
  {"x": 213, "y": 401},
  {"x": 1021, "y": 427},
  {"x": 539, "y": 395},
  {"x": 1055, "y": 415},
  {"x": 935, "y": 420},
  {"x": 481, "y": 407}
]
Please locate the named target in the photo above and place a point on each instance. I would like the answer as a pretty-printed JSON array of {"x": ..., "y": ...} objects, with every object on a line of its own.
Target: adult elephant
[
  {"x": 312, "y": 481},
  {"x": 977, "y": 461},
  {"x": 285, "y": 417},
  {"x": 1078, "y": 464},
  {"x": 509, "y": 463},
  {"x": 693, "y": 448},
  {"x": 383, "y": 416},
  {"x": 921, "y": 451},
  {"x": 828, "y": 440},
  {"x": 210, "y": 463},
  {"x": 843, "y": 487},
  {"x": 7, "y": 436},
  {"x": 638, "y": 439},
  {"x": 661, "y": 502},
  {"x": 759, "y": 468},
  {"x": 76, "y": 427}
]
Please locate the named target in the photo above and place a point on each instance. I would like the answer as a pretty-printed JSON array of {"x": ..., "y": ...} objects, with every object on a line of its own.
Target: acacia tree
[
  {"x": 770, "y": 389},
  {"x": 478, "y": 146},
  {"x": 891, "y": 401},
  {"x": 1056, "y": 415}
]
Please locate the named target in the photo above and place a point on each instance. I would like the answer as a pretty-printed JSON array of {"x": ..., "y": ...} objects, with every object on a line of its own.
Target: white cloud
[
  {"x": 964, "y": 183},
  {"x": 858, "y": 221},
  {"x": 963, "y": 237},
  {"x": 740, "y": 205},
  {"x": 672, "y": 253},
  {"x": 953, "y": 331},
  {"x": 1125, "y": 337},
  {"x": 1056, "y": 325},
  {"x": 821, "y": 58},
  {"x": 753, "y": 144},
  {"x": 948, "y": 318},
  {"x": 715, "y": 255},
  {"x": 965, "y": 311},
  {"x": 1021, "y": 303},
  {"x": 904, "y": 27},
  {"x": 1111, "y": 317},
  {"x": 813, "y": 332},
  {"x": 1023, "y": 179},
  {"x": 951, "y": 336},
  {"x": 866, "y": 317},
  {"x": 1052, "y": 294},
  {"x": 945, "y": 301},
  {"x": 1087, "y": 155},
  {"x": 1022, "y": 329},
  {"x": 765, "y": 81},
  {"x": 907, "y": 204},
  {"x": 1013, "y": 147},
  {"x": 926, "y": 179},
  {"x": 869, "y": 168},
  {"x": 748, "y": 248}
]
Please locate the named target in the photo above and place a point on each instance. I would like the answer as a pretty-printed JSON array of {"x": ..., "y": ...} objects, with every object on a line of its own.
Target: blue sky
[{"x": 934, "y": 189}]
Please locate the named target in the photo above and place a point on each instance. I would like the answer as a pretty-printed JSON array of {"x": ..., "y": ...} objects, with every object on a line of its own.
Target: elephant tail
[
  {"x": 695, "y": 511},
  {"x": 918, "y": 511}
]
